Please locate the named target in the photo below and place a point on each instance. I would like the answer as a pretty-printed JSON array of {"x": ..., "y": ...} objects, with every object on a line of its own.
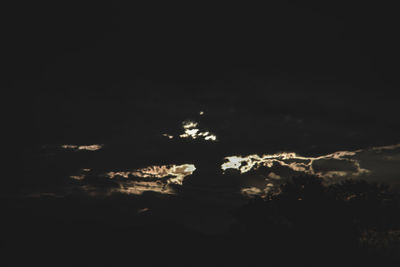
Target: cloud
[
  {"x": 83, "y": 147},
  {"x": 253, "y": 174},
  {"x": 158, "y": 179},
  {"x": 378, "y": 164},
  {"x": 192, "y": 131}
]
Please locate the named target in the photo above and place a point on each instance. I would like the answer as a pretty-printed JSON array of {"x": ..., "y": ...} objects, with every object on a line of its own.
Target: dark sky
[
  {"x": 80, "y": 42},
  {"x": 121, "y": 72},
  {"x": 313, "y": 78},
  {"x": 92, "y": 67}
]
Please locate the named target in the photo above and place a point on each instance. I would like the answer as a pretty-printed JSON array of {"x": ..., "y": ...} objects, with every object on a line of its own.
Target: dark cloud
[{"x": 325, "y": 165}]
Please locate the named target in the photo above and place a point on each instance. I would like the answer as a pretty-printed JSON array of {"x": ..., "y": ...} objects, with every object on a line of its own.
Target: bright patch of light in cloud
[
  {"x": 370, "y": 163},
  {"x": 69, "y": 146},
  {"x": 83, "y": 147},
  {"x": 81, "y": 175},
  {"x": 177, "y": 173},
  {"x": 139, "y": 187},
  {"x": 191, "y": 131},
  {"x": 153, "y": 178},
  {"x": 167, "y": 135},
  {"x": 189, "y": 124},
  {"x": 251, "y": 191},
  {"x": 294, "y": 162}
]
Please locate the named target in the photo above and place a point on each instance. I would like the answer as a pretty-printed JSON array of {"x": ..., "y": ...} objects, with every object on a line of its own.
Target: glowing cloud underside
[
  {"x": 191, "y": 131},
  {"x": 292, "y": 161},
  {"x": 81, "y": 175},
  {"x": 84, "y": 147},
  {"x": 153, "y": 178},
  {"x": 348, "y": 162},
  {"x": 341, "y": 164}
]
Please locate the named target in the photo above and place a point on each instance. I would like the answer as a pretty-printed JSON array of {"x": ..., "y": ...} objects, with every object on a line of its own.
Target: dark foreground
[{"x": 304, "y": 222}]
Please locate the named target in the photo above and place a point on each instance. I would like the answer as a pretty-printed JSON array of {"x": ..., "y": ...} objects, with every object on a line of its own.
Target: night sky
[{"x": 132, "y": 125}]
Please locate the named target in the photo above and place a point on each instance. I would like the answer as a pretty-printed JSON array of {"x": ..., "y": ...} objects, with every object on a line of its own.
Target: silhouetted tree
[{"x": 311, "y": 220}]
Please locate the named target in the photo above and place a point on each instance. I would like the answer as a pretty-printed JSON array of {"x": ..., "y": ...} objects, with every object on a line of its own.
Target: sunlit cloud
[
  {"x": 139, "y": 187},
  {"x": 292, "y": 161},
  {"x": 81, "y": 175},
  {"x": 83, "y": 147},
  {"x": 330, "y": 167},
  {"x": 191, "y": 131},
  {"x": 189, "y": 124},
  {"x": 274, "y": 176},
  {"x": 168, "y": 136},
  {"x": 251, "y": 191},
  {"x": 211, "y": 137},
  {"x": 273, "y": 169},
  {"x": 176, "y": 172},
  {"x": 153, "y": 178},
  {"x": 380, "y": 148},
  {"x": 77, "y": 177}
]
